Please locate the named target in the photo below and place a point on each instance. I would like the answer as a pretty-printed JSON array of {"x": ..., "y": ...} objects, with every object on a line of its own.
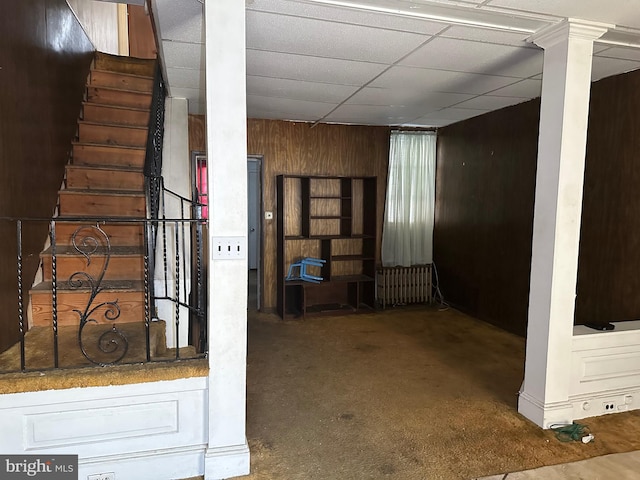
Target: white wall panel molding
[
  {"x": 136, "y": 431},
  {"x": 606, "y": 364}
]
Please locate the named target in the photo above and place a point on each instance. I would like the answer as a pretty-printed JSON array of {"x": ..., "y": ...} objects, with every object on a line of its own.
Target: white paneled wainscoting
[
  {"x": 605, "y": 370},
  {"x": 145, "y": 431}
]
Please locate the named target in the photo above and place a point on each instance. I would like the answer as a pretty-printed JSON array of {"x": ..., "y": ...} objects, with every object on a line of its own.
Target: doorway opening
[{"x": 254, "y": 231}]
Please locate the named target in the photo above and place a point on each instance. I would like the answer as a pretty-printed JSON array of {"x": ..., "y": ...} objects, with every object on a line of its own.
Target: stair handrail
[{"x": 156, "y": 193}]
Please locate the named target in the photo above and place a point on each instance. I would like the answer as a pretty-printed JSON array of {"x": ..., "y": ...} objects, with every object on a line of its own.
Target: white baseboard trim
[
  {"x": 226, "y": 462},
  {"x": 605, "y": 403},
  {"x": 170, "y": 463},
  {"x": 544, "y": 415}
]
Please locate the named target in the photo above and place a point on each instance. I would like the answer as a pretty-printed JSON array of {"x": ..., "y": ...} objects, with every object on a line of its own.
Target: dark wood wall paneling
[
  {"x": 484, "y": 210},
  {"x": 485, "y": 184},
  {"x": 45, "y": 57},
  {"x": 297, "y": 148},
  {"x": 609, "y": 262}
]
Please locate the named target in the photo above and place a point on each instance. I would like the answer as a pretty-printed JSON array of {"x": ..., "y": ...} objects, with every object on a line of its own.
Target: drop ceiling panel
[
  {"x": 192, "y": 94},
  {"x": 431, "y": 122},
  {"x": 440, "y": 80},
  {"x": 621, "y": 53},
  {"x": 183, "y": 55},
  {"x": 346, "y": 15},
  {"x": 528, "y": 88},
  {"x": 373, "y": 115},
  {"x": 293, "y": 109},
  {"x": 185, "y": 77},
  {"x": 620, "y": 12},
  {"x": 605, "y": 67},
  {"x": 453, "y": 114},
  {"x": 475, "y": 57},
  {"x": 487, "y": 36},
  {"x": 298, "y": 90},
  {"x": 408, "y": 97},
  {"x": 328, "y": 39},
  {"x": 489, "y": 102},
  {"x": 309, "y": 59},
  {"x": 312, "y": 69},
  {"x": 181, "y": 20}
]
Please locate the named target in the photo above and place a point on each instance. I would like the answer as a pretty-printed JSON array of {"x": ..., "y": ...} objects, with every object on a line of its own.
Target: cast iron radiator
[{"x": 403, "y": 285}]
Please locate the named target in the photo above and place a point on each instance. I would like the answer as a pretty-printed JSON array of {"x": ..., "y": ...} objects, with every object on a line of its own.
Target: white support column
[
  {"x": 566, "y": 84},
  {"x": 227, "y": 453}
]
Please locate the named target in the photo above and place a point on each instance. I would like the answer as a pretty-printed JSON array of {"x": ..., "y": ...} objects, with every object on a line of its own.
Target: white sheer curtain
[{"x": 407, "y": 235}]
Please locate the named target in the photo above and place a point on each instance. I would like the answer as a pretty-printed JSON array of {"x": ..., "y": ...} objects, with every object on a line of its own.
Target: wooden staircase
[{"x": 103, "y": 179}]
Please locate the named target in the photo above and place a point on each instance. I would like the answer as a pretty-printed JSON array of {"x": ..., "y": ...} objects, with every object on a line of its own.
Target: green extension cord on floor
[{"x": 570, "y": 433}]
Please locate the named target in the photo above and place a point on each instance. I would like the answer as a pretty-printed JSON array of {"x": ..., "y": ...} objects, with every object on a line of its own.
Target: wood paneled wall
[
  {"x": 609, "y": 263},
  {"x": 142, "y": 41},
  {"x": 485, "y": 184},
  {"x": 197, "y": 133},
  {"x": 484, "y": 210},
  {"x": 45, "y": 57},
  {"x": 297, "y": 148}
]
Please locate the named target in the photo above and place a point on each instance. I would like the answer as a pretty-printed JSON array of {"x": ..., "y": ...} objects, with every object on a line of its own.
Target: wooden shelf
[
  {"x": 353, "y": 278},
  {"x": 341, "y": 233},
  {"x": 347, "y": 258}
]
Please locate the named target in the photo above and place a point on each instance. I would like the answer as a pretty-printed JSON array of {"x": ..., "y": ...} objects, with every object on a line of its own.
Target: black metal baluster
[
  {"x": 199, "y": 287},
  {"x": 177, "y": 292},
  {"x": 184, "y": 252},
  {"x": 147, "y": 317},
  {"x": 164, "y": 243},
  {"x": 54, "y": 293},
  {"x": 20, "y": 302}
]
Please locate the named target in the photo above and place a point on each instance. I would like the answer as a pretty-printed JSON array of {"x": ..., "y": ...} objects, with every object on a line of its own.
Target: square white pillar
[
  {"x": 227, "y": 452},
  {"x": 564, "y": 111}
]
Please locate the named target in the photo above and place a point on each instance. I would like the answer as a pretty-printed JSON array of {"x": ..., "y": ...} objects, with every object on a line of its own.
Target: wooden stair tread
[
  {"x": 135, "y": 75},
  {"x": 107, "y": 145},
  {"x": 116, "y": 125},
  {"x": 119, "y": 107},
  {"x": 106, "y": 286},
  {"x": 118, "y": 168},
  {"x": 114, "y": 193},
  {"x": 120, "y": 64},
  {"x": 121, "y": 90},
  {"x": 116, "y": 250}
]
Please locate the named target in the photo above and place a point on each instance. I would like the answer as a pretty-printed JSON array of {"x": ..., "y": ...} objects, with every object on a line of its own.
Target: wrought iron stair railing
[{"x": 100, "y": 329}]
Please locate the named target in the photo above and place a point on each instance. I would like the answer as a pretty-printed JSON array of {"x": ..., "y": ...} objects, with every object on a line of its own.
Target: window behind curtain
[{"x": 407, "y": 236}]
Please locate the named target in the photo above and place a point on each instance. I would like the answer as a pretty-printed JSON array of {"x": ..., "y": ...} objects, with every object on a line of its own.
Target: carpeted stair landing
[{"x": 77, "y": 371}]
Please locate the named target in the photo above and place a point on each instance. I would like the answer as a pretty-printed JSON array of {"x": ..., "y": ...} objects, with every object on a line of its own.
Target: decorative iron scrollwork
[{"x": 112, "y": 345}]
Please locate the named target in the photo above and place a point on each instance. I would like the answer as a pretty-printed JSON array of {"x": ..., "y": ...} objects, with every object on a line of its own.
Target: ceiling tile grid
[{"x": 389, "y": 62}]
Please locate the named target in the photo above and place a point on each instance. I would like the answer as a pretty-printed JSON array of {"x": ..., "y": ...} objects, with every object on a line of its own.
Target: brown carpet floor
[
  {"x": 73, "y": 371},
  {"x": 404, "y": 394}
]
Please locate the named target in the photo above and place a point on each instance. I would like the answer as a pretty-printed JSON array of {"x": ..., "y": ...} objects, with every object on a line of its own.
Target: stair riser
[
  {"x": 105, "y": 156},
  {"x": 104, "y": 179},
  {"x": 134, "y": 66},
  {"x": 117, "y": 80},
  {"x": 101, "y": 205},
  {"x": 118, "y": 97},
  {"x": 111, "y": 135},
  {"x": 131, "y": 307},
  {"x": 119, "y": 235},
  {"x": 120, "y": 268},
  {"x": 119, "y": 116}
]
